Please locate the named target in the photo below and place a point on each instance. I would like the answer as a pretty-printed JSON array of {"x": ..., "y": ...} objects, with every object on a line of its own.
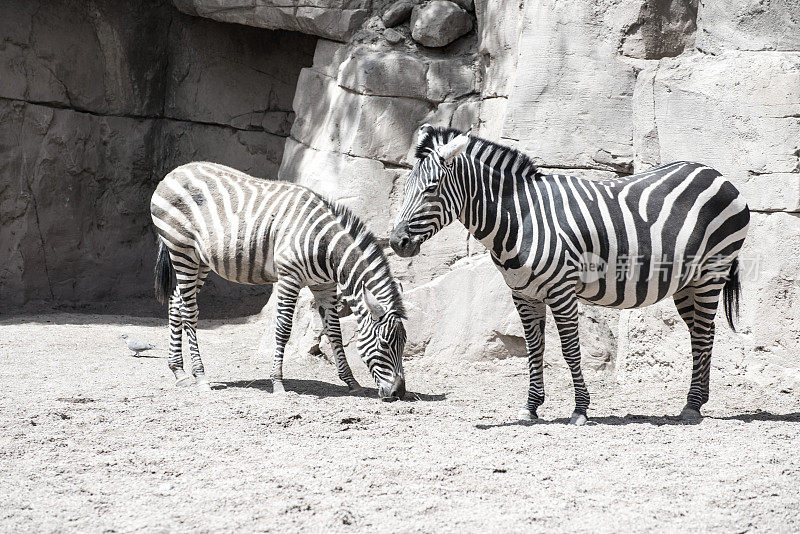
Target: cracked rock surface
[{"x": 97, "y": 103}]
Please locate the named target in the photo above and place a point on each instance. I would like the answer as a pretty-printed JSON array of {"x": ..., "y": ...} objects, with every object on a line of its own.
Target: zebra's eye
[{"x": 431, "y": 188}]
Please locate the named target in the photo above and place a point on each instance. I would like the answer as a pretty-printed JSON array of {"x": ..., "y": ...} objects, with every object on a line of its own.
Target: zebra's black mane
[
  {"x": 436, "y": 136},
  {"x": 368, "y": 245}
]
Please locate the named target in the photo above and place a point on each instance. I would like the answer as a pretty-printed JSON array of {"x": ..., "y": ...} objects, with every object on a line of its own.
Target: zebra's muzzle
[
  {"x": 402, "y": 243},
  {"x": 393, "y": 392}
]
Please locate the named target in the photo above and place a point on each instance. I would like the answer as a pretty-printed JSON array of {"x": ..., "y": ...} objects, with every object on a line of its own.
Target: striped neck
[
  {"x": 491, "y": 174},
  {"x": 359, "y": 262}
]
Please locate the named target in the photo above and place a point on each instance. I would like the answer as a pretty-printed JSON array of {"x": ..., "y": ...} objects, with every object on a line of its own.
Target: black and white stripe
[
  {"x": 256, "y": 231},
  {"x": 673, "y": 231}
]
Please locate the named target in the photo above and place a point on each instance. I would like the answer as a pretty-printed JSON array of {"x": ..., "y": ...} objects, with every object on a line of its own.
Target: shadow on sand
[
  {"x": 319, "y": 388},
  {"x": 220, "y": 302},
  {"x": 655, "y": 420}
]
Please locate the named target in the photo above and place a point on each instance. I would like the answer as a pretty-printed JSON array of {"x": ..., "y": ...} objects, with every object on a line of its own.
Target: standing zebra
[
  {"x": 255, "y": 231},
  {"x": 556, "y": 239}
]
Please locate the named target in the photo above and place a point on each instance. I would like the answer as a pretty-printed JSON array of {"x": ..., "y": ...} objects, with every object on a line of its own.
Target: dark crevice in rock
[
  {"x": 41, "y": 241},
  {"x": 135, "y": 116},
  {"x": 664, "y": 28}
]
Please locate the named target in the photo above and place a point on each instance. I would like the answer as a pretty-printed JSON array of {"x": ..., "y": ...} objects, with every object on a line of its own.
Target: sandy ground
[{"x": 95, "y": 440}]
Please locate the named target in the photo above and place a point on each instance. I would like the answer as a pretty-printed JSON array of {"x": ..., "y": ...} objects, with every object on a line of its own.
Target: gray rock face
[
  {"x": 393, "y": 36},
  {"x": 97, "y": 106},
  {"x": 397, "y": 13},
  {"x": 754, "y": 145},
  {"x": 748, "y": 25},
  {"x": 78, "y": 56},
  {"x": 439, "y": 23},
  {"x": 571, "y": 103},
  {"x": 331, "y": 19},
  {"x": 664, "y": 28},
  {"x": 224, "y": 77}
]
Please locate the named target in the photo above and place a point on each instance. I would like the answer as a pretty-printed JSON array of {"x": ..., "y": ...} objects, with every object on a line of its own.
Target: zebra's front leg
[
  {"x": 532, "y": 314},
  {"x": 287, "y": 290},
  {"x": 334, "y": 333},
  {"x": 326, "y": 302},
  {"x": 175, "y": 341},
  {"x": 565, "y": 312}
]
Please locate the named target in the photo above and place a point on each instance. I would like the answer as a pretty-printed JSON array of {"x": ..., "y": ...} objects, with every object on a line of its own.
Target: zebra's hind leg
[
  {"x": 698, "y": 306},
  {"x": 197, "y": 365},
  {"x": 532, "y": 314},
  {"x": 564, "y": 306},
  {"x": 190, "y": 279},
  {"x": 175, "y": 341},
  {"x": 326, "y": 306},
  {"x": 287, "y": 289}
]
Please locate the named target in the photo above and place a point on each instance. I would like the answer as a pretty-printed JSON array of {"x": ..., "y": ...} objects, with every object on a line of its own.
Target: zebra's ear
[
  {"x": 424, "y": 131},
  {"x": 452, "y": 149},
  {"x": 374, "y": 307},
  {"x": 423, "y": 137}
]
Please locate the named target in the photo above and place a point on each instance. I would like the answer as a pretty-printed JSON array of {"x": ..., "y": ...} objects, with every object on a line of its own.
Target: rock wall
[
  {"x": 595, "y": 88},
  {"x": 592, "y": 88},
  {"x": 98, "y": 100}
]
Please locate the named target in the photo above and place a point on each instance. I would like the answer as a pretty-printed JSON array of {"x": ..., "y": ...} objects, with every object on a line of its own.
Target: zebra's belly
[
  {"x": 634, "y": 286},
  {"x": 588, "y": 295},
  {"x": 243, "y": 273},
  {"x": 236, "y": 263}
]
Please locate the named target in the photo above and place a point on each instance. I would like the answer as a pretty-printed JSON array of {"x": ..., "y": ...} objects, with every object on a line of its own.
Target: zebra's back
[
  {"x": 656, "y": 232},
  {"x": 234, "y": 223}
]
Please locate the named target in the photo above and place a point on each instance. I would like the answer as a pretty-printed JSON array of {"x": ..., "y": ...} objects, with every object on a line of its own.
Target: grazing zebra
[
  {"x": 255, "y": 231},
  {"x": 675, "y": 230}
]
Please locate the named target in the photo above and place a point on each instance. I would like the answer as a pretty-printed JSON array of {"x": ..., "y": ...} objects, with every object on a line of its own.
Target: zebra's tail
[
  {"x": 730, "y": 294},
  {"x": 164, "y": 274}
]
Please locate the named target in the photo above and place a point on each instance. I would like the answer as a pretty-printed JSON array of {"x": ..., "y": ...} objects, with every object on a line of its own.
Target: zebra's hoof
[
  {"x": 527, "y": 415},
  {"x": 184, "y": 381},
  {"x": 691, "y": 414},
  {"x": 277, "y": 386},
  {"x": 354, "y": 387},
  {"x": 202, "y": 384},
  {"x": 578, "y": 419}
]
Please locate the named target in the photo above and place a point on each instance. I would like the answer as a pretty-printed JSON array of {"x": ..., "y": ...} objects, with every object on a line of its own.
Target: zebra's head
[
  {"x": 381, "y": 340},
  {"x": 433, "y": 197}
]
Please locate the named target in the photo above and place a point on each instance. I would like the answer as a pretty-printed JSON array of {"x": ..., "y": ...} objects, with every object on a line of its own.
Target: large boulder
[
  {"x": 680, "y": 115},
  {"x": 748, "y": 25},
  {"x": 664, "y": 28},
  {"x": 570, "y": 105},
  {"x": 331, "y": 19},
  {"x": 439, "y": 23},
  {"x": 397, "y": 13}
]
